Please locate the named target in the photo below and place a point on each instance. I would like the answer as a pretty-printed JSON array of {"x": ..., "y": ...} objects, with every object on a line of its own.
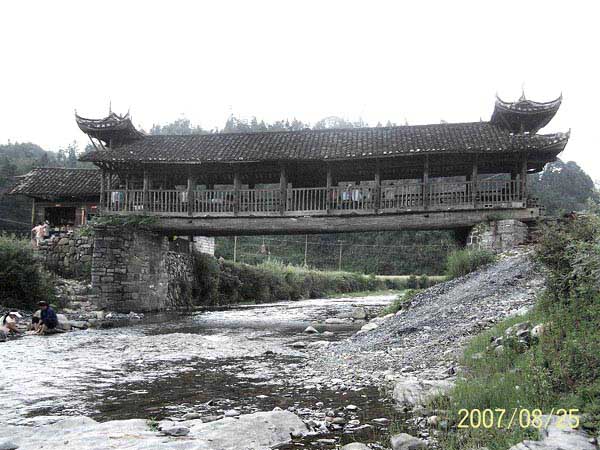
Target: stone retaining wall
[
  {"x": 69, "y": 257},
  {"x": 135, "y": 271},
  {"x": 498, "y": 236}
]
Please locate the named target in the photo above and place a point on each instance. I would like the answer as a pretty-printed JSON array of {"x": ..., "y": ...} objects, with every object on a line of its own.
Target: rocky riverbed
[{"x": 308, "y": 374}]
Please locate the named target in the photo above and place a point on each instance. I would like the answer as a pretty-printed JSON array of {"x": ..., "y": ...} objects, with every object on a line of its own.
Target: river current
[{"x": 168, "y": 365}]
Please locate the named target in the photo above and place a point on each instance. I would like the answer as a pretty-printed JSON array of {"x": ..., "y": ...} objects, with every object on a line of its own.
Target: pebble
[
  {"x": 351, "y": 407},
  {"x": 311, "y": 330},
  {"x": 381, "y": 421}
]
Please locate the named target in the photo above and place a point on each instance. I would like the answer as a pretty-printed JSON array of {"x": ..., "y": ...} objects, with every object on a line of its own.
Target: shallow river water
[{"x": 168, "y": 365}]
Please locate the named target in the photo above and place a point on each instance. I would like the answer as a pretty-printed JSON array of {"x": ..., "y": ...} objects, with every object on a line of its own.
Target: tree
[{"x": 563, "y": 187}]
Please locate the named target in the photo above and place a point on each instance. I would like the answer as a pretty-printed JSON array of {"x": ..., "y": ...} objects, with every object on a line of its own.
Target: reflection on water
[{"x": 172, "y": 364}]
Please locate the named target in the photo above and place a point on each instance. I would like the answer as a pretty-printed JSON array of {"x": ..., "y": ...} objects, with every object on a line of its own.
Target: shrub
[
  {"x": 23, "y": 281},
  {"x": 462, "y": 262},
  {"x": 403, "y": 300},
  {"x": 424, "y": 282},
  {"x": 412, "y": 282}
]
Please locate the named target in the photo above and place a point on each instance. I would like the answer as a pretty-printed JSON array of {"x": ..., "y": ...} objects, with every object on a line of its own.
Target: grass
[
  {"x": 402, "y": 300},
  {"x": 465, "y": 261},
  {"x": 561, "y": 369}
]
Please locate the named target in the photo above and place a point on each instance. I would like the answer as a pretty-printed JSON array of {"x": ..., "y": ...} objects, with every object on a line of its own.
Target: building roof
[
  {"x": 524, "y": 115},
  {"x": 113, "y": 130},
  {"x": 54, "y": 182},
  {"x": 329, "y": 144}
]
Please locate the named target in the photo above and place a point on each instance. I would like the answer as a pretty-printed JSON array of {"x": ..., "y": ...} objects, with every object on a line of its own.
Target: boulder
[
  {"x": 368, "y": 327},
  {"x": 175, "y": 431},
  {"x": 63, "y": 322},
  {"x": 335, "y": 321},
  {"x": 355, "y": 446},
  {"x": 558, "y": 435},
  {"x": 251, "y": 431},
  {"x": 10, "y": 445},
  {"x": 360, "y": 313},
  {"x": 311, "y": 330},
  {"x": 403, "y": 441},
  {"x": 414, "y": 392}
]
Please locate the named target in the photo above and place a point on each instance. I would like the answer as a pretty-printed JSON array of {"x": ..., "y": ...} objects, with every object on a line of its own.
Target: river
[{"x": 169, "y": 365}]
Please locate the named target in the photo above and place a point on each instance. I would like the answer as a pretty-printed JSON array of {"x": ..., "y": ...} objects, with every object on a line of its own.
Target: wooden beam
[
  {"x": 191, "y": 201},
  {"x": 102, "y": 176},
  {"x": 236, "y": 191},
  {"x": 329, "y": 186},
  {"x": 474, "y": 182},
  {"x": 145, "y": 187},
  {"x": 524, "y": 178},
  {"x": 377, "y": 191},
  {"x": 426, "y": 182},
  {"x": 283, "y": 188}
]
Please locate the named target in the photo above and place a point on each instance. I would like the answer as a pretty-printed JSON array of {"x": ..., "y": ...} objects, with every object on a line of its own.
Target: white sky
[{"x": 420, "y": 61}]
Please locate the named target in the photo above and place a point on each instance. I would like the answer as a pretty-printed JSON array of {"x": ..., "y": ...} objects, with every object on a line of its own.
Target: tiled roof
[
  {"x": 58, "y": 182},
  {"x": 330, "y": 144}
]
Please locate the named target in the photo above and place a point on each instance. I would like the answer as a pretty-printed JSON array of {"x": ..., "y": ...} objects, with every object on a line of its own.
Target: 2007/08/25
[{"x": 524, "y": 418}]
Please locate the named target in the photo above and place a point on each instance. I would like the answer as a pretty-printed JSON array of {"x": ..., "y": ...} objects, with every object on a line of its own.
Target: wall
[
  {"x": 135, "y": 271},
  {"x": 498, "y": 236},
  {"x": 69, "y": 257}
]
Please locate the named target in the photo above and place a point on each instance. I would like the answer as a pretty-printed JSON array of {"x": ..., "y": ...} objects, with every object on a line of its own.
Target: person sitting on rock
[
  {"x": 9, "y": 323},
  {"x": 48, "y": 318}
]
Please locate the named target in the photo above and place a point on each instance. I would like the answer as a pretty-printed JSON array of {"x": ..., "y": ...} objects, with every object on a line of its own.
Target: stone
[
  {"x": 335, "y": 321},
  {"x": 538, "y": 330},
  {"x": 368, "y": 327},
  {"x": 413, "y": 392},
  {"x": 381, "y": 421},
  {"x": 8, "y": 445},
  {"x": 499, "y": 350},
  {"x": 176, "y": 431},
  {"x": 351, "y": 407},
  {"x": 311, "y": 330},
  {"x": 252, "y": 431},
  {"x": 298, "y": 344},
  {"x": 191, "y": 416},
  {"x": 558, "y": 435},
  {"x": 63, "y": 322},
  {"x": 231, "y": 413},
  {"x": 355, "y": 446},
  {"x": 360, "y": 314},
  {"x": 403, "y": 441}
]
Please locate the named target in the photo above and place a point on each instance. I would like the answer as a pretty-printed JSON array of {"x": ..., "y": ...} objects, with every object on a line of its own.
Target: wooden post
[
  {"x": 377, "y": 193},
  {"x": 102, "y": 200},
  {"x": 33, "y": 213},
  {"x": 524, "y": 180},
  {"x": 190, "y": 195},
  {"x": 305, "y": 250},
  {"x": 236, "y": 192},
  {"x": 426, "y": 193},
  {"x": 474, "y": 183},
  {"x": 340, "y": 258},
  {"x": 283, "y": 184},
  {"x": 328, "y": 191},
  {"x": 235, "y": 249},
  {"x": 126, "y": 197},
  {"x": 145, "y": 187}
]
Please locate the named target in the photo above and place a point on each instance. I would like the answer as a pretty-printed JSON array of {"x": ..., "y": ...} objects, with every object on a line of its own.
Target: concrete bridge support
[{"x": 134, "y": 270}]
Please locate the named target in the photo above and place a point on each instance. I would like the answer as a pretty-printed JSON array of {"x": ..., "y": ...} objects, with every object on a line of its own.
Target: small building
[{"x": 66, "y": 198}]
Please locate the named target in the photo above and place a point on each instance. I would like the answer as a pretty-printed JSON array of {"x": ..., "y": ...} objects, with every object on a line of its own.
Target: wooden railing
[{"x": 319, "y": 200}]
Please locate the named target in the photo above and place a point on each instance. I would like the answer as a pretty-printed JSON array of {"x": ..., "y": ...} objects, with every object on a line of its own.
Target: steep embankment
[{"x": 429, "y": 336}]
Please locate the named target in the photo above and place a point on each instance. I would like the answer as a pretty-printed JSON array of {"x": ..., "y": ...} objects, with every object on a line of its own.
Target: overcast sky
[{"x": 380, "y": 60}]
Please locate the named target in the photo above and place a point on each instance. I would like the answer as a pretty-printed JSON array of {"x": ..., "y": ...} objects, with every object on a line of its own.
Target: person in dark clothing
[{"x": 48, "y": 318}]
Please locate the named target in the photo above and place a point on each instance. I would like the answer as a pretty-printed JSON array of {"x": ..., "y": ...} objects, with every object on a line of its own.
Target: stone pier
[
  {"x": 135, "y": 270},
  {"x": 498, "y": 236}
]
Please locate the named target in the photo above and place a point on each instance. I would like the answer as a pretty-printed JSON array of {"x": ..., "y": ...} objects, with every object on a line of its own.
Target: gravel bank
[{"x": 427, "y": 339}]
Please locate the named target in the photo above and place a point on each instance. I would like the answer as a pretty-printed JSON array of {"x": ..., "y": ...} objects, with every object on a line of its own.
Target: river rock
[
  {"x": 298, "y": 344},
  {"x": 368, "y": 327},
  {"x": 558, "y": 435},
  {"x": 250, "y": 431},
  {"x": 231, "y": 413},
  {"x": 355, "y": 446},
  {"x": 360, "y": 314},
  {"x": 191, "y": 416},
  {"x": 335, "y": 321},
  {"x": 8, "y": 445},
  {"x": 311, "y": 330},
  {"x": 413, "y": 392},
  {"x": 63, "y": 322},
  {"x": 403, "y": 441},
  {"x": 176, "y": 431}
]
